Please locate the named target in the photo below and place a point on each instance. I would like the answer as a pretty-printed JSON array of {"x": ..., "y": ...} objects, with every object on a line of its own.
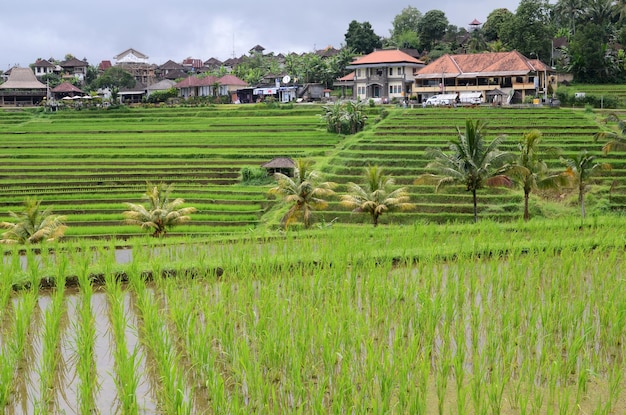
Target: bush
[{"x": 254, "y": 176}]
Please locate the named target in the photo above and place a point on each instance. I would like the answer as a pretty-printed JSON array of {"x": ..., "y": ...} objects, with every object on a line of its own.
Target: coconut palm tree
[
  {"x": 160, "y": 213},
  {"x": 377, "y": 196},
  {"x": 305, "y": 191},
  {"x": 471, "y": 161},
  {"x": 616, "y": 140},
  {"x": 581, "y": 168},
  {"x": 531, "y": 171},
  {"x": 33, "y": 225}
]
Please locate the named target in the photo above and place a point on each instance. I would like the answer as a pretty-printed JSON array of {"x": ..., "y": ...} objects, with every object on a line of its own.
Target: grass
[{"x": 304, "y": 322}]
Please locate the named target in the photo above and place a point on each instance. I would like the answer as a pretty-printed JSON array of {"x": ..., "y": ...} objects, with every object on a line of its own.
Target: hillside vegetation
[{"x": 86, "y": 164}]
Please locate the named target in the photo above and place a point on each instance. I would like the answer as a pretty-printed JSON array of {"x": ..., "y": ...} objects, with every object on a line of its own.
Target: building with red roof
[
  {"x": 510, "y": 72},
  {"x": 384, "y": 74}
]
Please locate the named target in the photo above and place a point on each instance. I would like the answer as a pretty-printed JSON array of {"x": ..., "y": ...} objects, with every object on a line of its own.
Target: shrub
[{"x": 254, "y": 176}]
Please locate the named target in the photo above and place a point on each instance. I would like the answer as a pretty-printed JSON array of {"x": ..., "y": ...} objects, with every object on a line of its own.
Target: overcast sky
[{"x": 200, "y": 29}]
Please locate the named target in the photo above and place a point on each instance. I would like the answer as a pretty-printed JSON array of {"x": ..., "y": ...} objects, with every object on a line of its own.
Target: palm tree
[
  {"x": 33, "y": 225},
  {"x": 569, "y": 11},
  {"x": 471, "y": 161},
  {"x": 616, "y": 140},
  {"x": 377, "y": 196},
  {"x": 305, "y": 191},
  {"x": 531, "y": 171},
  {"x": 581, "y": 168},
  {"x": 161, "y": 212}
]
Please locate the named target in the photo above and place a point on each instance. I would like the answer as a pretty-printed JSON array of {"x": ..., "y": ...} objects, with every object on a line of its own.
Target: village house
[
  {"x": 511, "y": 73},
  {"x": 136, "y": 63},
  {"x": 385, "y": 74},
  {"x": 22, "y": 88}
]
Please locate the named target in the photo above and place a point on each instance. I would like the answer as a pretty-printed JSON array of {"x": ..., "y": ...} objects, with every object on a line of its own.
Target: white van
[{"x": 441, "y": 99}]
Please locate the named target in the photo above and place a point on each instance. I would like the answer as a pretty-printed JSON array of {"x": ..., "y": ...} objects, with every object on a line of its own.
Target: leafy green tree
[
  {"x": 471, "y": 161},
  {"x": 306, "y": 192},
  {"x": 432, "y": 28},
  {"x": 114, "y": 78},
  {"x": 377, "y": 196},
  {"x": 492, "y": 28},
  {"x": 529, "y": 31},
  {"x": 581, "y": 168},
  {"x": 32, "y": 225},
  {"x": 361, "y": 38},
  {"x": 531, "y": 171},
  {"x": 404, "y": 28},
  {"x": 589, "y": 55},
  {"x": 161, "y": 212}
]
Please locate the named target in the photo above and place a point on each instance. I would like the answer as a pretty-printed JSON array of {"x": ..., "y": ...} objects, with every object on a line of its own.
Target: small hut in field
[{"x": 284, "y": 165}]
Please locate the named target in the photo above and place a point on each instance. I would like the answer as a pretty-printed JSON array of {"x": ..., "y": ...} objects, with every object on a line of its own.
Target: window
[
  {"x": 390, "y": 71},
  {"x": 358, "y": 73},
  {"x": 391, "y": 88}
]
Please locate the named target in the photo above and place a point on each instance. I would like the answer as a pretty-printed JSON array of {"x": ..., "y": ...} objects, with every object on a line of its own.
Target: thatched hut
[{"x": 284, "y": 165}]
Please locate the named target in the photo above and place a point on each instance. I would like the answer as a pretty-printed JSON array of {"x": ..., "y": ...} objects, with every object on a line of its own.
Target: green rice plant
[
  {"x": 13, "y": 349},
  {"x": 156, "y": 337},
  {"x": 50, "y": 355},
  {"x": 85, "y": 340},
  {"x": 126, "y": 362}
]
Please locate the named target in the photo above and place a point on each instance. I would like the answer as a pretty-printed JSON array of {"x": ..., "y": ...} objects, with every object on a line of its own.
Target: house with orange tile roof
[
  {"x": 385, "y": 74},
  {"x": 510, "y": 72}
]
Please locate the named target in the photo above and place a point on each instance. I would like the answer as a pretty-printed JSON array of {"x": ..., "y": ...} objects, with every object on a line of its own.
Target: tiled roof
[
  {"x": 349, "y": 77},
  {"x": 170, "y": 64},
  {"x": 73, "y": 63},
  {"x": 385, "y": 56},
  {"x": 66, "y": 87},
  {"x": 104, "y": 65},
  {"x": 487, "y": 64},
  {"x": 231, "y": 80},
  {"x": 42, "y": 63}
]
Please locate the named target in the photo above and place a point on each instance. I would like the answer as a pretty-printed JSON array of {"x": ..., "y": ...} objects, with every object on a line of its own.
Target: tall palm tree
[
  {"x": 581, "y": 168},
  {"x": 471, "y": 161},
  {"x": 305, "y": 191},
  {"x": 531, "y": 171},
  {"x": 33, "y": 225},
  {"x": 569, "y": 11},
  {"x": 377, "y": 196},
  {"x": 161, "y": 213}
]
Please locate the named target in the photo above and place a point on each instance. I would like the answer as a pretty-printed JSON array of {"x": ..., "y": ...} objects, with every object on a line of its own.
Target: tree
[
  {"x": 569, "y": 12},
  {"x": 377, "y": 196},
  {"x": 531, "y": 171},
  {"x": 471, "y": 161},
  {"x": 588, "y": 53},
  {"x": 616, "y": 140},
  {"x": 581, "y": 168},
  {"x": 33, "y": 225},
  {"x": 161, "y": 212},
  {"x": 114, "y": 78},
  {"x": 432, "y": 28},
  {"x": 361, "y": 38},
  {"x": 404, "y": 28},
  {"x": 306, "y": 192},
  {"x": 492, "y": 28},
  {"x": 529, "y": 30}
]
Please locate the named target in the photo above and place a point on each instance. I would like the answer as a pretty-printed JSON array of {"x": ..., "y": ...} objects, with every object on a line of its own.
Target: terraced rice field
[
  {"x": 398, "y": 144},
  {"x": 86, "y": 164}
]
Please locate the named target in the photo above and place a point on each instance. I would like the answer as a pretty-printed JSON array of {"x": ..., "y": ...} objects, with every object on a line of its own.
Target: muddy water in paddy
[{"x": 27, "y": 393}]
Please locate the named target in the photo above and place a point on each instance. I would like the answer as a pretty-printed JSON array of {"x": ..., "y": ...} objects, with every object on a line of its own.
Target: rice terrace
[{"x": 429, "y": 312}]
